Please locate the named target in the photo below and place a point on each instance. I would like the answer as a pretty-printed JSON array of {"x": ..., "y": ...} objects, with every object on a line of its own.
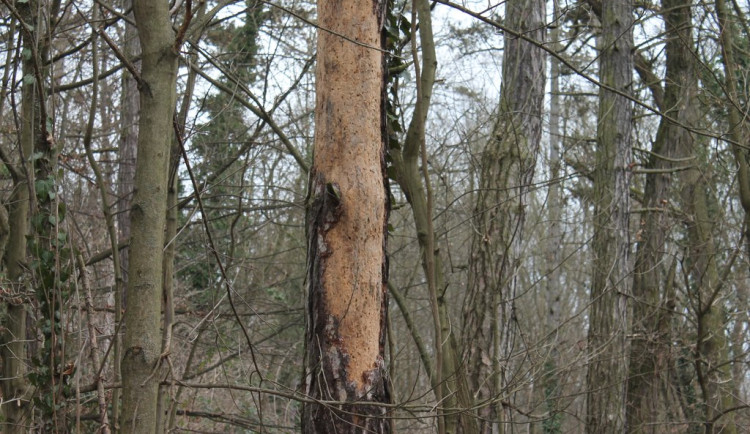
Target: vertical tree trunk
[
  {"x": 610, "y": 276},
  {"x": 712, "y": 356},
  {"x": 128, "y": 139},
  {"x": 650, "y": 345},
  {"x": 711, "y": 350},
  {"x": 553, "y": 286},
  {"x": 507, "y": 170},
  {"x": 130, "y": 106},
  {"x": 738, "y": 131},
  {"x": 166, "y": 395},
  {"x": 448, "y": 378},
  {"x": 13, "y": 338},
  {"x": 346, "y": 224},
  {"x": 142, "y": 340}
]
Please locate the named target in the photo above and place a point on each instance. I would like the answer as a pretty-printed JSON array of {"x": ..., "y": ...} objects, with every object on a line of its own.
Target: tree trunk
[
  {"x": 610, "y": 276},
  {"x": 711, "y": 348},
  {"x": 142, "y": 340},
  {"x": 507, "y": 170},
  {"x": 130, "y": 106},
  {"x": 712, "y": 362},
  {"x": 448, "y": 378},
  {"x": 12, "y": 341},
  {"x": 738, "y": 132},
  {"x": 553, "y": 290},
  {"x": 15, "y": 386},
  {"x": 346, "y": 225},
  {"x": 128, "y": 139},
  {"x": 650, "y": 361}
]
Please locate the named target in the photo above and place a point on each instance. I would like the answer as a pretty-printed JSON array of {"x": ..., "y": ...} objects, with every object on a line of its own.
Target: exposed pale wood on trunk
[{"x": 346, "y": 225}]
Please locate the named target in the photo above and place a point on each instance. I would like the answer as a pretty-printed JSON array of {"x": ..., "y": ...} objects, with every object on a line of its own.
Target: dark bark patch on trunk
[{"x": 327, "y": 377}]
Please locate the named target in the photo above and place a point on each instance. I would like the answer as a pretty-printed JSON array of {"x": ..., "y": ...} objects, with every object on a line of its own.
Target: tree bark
[
  {"x": 13, "y": 338},
  {"x": 507, "y": 170},
  {"x": 142, "y": 340},
  {"x": 448, "y": 378},
  {"x": 713, "y": 364},
  {"x": 610, "y": 276},
  {"x": 13, "y": 348},
  {"x": 650, "y": 358},
  {"x": 346, "y": 225},
  {"x": 130, "y": 106},
  {"x": 553, "y": 290}
]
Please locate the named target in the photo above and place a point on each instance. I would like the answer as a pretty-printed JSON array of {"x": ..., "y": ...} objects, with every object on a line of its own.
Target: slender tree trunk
[
  {"x": 738, "y": 131},
  {"x": 166, "y": 395},
  {"x": 15, "y": 387},
  {"x": 130, "y": 107},
  {"x": 650, "y": 361},
  {"x": 13, "y": 338},
  {"x": 142, "y": 340},
  {"x": 170, "y": 234},
  {"x": 346, "y": 225},
  {"x": 712, "y": 347},
  {"x": 507, "y": 170},
  {"x": 448, "y": 378},
  {"x": 610, "y": 277},
  {"x": 553, "y": 290}
]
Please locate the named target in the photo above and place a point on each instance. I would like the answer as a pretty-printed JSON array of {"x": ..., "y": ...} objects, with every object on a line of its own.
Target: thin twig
[
  {"x": 94, "y": 346},
  {"x": 215, "y": 252}
]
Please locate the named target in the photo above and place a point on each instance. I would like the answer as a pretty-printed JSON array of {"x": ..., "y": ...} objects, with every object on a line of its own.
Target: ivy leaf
[{"x": 42, "y": 188}]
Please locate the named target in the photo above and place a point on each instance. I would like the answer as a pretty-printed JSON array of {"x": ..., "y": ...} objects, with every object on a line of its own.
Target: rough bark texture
[
  {"x": 711, "y": 348},
  {"x": 713, "y": 360},
  {"x": 125, "y": 177},
  {"x": 553, "y": 290},
  {"x": 142, "y": 341},
  {"x": 128, "y": 140},
  {"x": 346, "y": 224},
  {"x": 15, "y": 387},
  {"x": 12, "y": 341},
  {"x": 610, "y": 276},
  {"x": 650, "y": 358},
  {"x": 507, "y": 170}
]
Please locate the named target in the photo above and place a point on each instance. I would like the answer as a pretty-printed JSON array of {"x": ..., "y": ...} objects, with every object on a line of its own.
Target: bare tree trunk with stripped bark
[{"x": 346, "y": 225}]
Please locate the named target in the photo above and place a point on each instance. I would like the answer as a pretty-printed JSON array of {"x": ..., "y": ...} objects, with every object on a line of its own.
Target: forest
[{"x": 349, "y": 216}]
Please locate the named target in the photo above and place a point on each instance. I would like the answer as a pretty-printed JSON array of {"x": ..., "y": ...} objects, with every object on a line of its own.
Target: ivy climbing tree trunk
[
  {"x": 143, "y": 340},
  {"x": 610, "y": 275},
  {"x": 346, "y": 224}
]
